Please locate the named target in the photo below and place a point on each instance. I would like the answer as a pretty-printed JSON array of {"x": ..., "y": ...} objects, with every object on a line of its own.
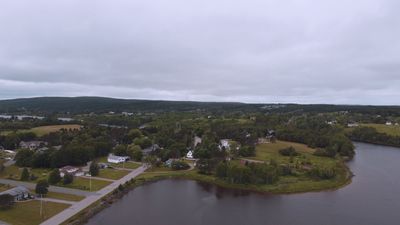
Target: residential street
[{"x": 77, "y": 207}]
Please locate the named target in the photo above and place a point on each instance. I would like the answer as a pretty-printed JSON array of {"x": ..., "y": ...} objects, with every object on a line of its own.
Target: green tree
[
  {"x": 221, "y": 170},
  {"x": 134, "y": 133},
  {"x": 6, "y": 201},
  {"x": 94, "y": 169},
  {"x": 24, "y": 157},
  {"x": 120, "y": 150},
  {"x": 54, "y": 177},
  {"x": 68, "y": 178},
  {"x": 25, "y": 175},
  {"x": 42, "y": 187},
  {"x": 135, "y": 152}
]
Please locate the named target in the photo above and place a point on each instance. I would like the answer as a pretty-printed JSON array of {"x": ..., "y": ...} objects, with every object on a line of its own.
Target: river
[{"x": 373, "y": 198}]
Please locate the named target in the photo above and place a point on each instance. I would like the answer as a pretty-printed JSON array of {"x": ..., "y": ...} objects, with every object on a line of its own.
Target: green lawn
[
  {"x": 127, "y": 165},
  {"x": 112, "y": 174},
  {"x": 27, "y": 213},
  {"x": 382, "y": 128},
  {"x": 84, "y": 184},
  {"x": 63, "y": 196}
]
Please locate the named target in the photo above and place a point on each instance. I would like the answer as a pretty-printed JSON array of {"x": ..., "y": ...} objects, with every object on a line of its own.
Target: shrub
[
  {"x": 179, "y": 165},
  {"x": 290, "y": 151}
]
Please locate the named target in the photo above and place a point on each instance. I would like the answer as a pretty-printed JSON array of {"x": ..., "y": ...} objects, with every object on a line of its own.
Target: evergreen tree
[{"x": 25, "y": 174}]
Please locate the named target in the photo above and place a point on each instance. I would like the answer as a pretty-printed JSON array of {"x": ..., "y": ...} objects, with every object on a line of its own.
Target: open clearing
[
  {"x": 43, "y": 130},
  {"x": 383, "y": 128}
]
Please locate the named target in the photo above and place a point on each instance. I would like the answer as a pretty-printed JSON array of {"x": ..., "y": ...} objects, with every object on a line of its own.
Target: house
[
  {"x": 352, "y": 125},
  {"x": 127, "y": 114},
  {"x": 19, "y": 193},
  {"x": 169, "y": 162},
  {"x": 117, "y": 159},
  {"x": 388, "y": 123},
  {"x": 75, "y": 171},
  {"x": 103, "y": 165},
  {"x": 149, "y": 150},
  {"x": 197, "y": 141},
  {"x": 189, "y": 155},
  {"x": 224, "y": 143},
  {"x": 32, "y": 145}
]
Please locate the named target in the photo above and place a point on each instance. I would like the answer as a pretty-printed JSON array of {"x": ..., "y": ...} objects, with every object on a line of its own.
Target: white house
[
  {"x": 389, "y": 123},
  {"x": 197, "y": 141},
  {"x": 224, "y": 143},
  {"x": 32, "y": 145},
  {"x": 189, "y": 155},
  {"x": 117, "y": 159},
  {"x": 352, "y": 125},
  {"x": 75, "y": 171}
]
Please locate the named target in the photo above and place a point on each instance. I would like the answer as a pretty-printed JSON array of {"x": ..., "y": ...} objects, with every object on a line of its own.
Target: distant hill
[
  {"x": 76, "y": 105},
  {"x": 100, "y": 104}
]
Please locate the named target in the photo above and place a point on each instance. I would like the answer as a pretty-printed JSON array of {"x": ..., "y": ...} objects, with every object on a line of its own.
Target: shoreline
[{"x": 150, "y": 177}]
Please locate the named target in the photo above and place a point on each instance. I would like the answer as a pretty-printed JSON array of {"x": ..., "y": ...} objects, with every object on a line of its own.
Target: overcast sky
[{"x": 302, "y": 51}]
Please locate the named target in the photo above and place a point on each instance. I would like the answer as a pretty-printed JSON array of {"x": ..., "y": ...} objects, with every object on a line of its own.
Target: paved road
[
  {"x": 51, "y": 188},
  {"x": 77, "y": 207}
]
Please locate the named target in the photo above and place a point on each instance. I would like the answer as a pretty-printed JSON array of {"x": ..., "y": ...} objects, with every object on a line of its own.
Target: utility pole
[
  {"x": 90, "y": 182},
  {"x": 41, "y": 205}
]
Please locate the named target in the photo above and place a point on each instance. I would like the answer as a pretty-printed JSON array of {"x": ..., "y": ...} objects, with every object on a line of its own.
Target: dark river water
[{"x": 373, "y": 198}]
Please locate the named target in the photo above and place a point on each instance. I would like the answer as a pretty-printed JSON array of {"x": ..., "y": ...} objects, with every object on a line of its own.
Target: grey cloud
[{"x": 253, "y": 51}]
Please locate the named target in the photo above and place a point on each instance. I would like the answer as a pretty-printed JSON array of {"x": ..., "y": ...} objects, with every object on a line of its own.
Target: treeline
[
  {"x": 371, "y": 135},
  {"x": 250, "y": 173}
]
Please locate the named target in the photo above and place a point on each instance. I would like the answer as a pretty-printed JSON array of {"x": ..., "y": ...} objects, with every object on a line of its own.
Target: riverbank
[{"x": 282, "y": 187}]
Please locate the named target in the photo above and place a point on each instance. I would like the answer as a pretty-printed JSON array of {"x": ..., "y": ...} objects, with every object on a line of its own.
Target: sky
[{"x": 255, "y": 51}]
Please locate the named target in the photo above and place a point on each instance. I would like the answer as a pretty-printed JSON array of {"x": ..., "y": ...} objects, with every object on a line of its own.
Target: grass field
[
  {"x": 63, "y": 196},
  {"x": 271, "y": 151},
  {"x": 84, "y": 184},
  {"x": 40, "y": 131},
  {"x": 43, "y": 130},
  {"x": 27, "y": 213},
  {"x": 112, "y": 174},
  {"x": 382, "y": 128},
  {"x": 14, "y": 172}
]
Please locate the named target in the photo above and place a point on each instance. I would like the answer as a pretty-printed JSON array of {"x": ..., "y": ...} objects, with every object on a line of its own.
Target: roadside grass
[
  {"x": 84, "y": 184},
  {"x": 27, "y": 213},
  {"x": 160, "y": 169},
  {"x": 126, "y": 165},
  {"x": 112, "y": 173},
  {"x": 63, "y": 196},
  {"x": 392, "y": 130},
  {"x": 43, "y": 130}
]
